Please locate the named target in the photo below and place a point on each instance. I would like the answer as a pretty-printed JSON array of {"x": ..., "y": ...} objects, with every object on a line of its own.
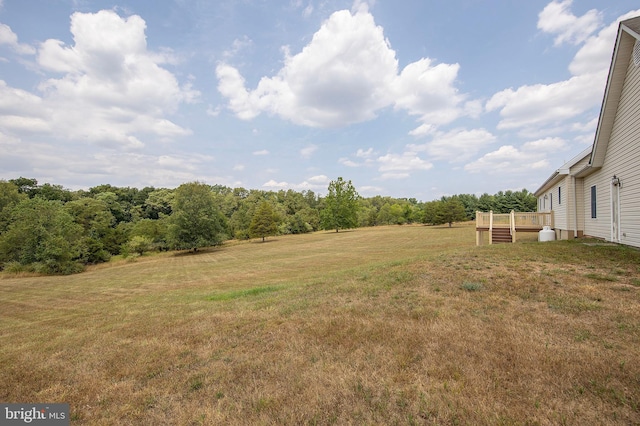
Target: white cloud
[
  {"x": 238, "y": 45},
  {"x": 214, "y": 112},
  {"x": 313, "y": 183},
  {"x": 428, "y": 90},
  {"x": 307, "y": 10},
  {"x": 556, "y": 18},
  {"x": 534, "y": 107},
  {"x": 8, "y": 37},
  {"x": 543, "y": 104},
  {"x": 510, "y": 160},
  {"x": 177, "y": 163},
  {"x": 456, "y": 145},
  {"x": 274, "y": 184},
  {"x": 308, "y": 151},
  {"x": 404, "y": 162},
  {"x": 348, "y": 163},
  {"x": 588, "y": 127},
  {"x": 545, "y": 145},
  {"x": 112, "y": 91},
  {"x": 369, "y": 153},
  {"x": 423, "y": 130},
  {"x": 345, "y": 75},
  {"x": 320, "y": 179},
  {"x": 370, "y": 190},
  {"x": 595, "y": 55},
  {"x": 261, "y": 152},
  {"x": 366, "y": 158},
  {"x": 62, "y": 163},
  {"x": 20, "y": 103}
]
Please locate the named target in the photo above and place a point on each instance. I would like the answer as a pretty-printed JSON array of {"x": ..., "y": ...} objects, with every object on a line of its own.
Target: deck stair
[{"x": 501, "y": 235}]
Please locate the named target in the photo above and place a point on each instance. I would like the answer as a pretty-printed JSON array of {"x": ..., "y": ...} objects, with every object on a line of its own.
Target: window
[
  {"x": 551, "y": 200},
  {"x": 559, "y": 195},
  {"x": 593, "y": 202}
]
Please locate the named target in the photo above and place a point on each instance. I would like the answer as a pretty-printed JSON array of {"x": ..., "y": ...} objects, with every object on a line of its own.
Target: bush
[
  {"x": 14, "y": 267},
  {"x": 139, "y": 244}
]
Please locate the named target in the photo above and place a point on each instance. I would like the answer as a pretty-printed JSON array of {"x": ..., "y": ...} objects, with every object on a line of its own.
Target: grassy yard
[{"x": 388, "y": 325}]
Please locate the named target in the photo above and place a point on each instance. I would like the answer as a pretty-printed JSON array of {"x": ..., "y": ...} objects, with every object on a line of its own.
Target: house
[{"x": 597, "y": 193}]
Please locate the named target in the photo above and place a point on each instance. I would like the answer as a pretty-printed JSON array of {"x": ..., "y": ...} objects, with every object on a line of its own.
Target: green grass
[
  {"x": 389, "y": 325},
  {"x": 230, "y": 295},
  {"x": 468, "y": 286}
]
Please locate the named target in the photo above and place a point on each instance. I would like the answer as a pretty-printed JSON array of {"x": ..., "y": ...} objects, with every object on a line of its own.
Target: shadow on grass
[
  {"x": 342, "y": 231},
  {"x": 260, "y": 241},
  {"x": 202, "y": 250}
]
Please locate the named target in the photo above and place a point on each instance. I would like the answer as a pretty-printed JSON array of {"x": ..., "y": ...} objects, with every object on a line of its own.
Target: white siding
[
  {"x": 560, "y": 205},
  {"x": 623, "y": 160},
  {"x": 580, "y": 203},
  {"x": 600, "y": 226}
]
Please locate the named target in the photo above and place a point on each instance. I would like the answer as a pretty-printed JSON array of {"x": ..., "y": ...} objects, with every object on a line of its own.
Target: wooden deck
[{"x": 504, "y": 227}]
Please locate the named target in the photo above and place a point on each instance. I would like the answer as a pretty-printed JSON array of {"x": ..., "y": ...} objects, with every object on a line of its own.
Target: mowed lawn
[{"x": 386, "y": 325}]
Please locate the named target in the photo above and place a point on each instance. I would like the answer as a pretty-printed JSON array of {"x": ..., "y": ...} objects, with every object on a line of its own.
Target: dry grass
[{"x": 391, "y": 325}]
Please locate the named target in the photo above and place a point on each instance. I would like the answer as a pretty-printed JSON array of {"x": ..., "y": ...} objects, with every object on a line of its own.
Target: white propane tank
[{"x": 547, "y": 234}]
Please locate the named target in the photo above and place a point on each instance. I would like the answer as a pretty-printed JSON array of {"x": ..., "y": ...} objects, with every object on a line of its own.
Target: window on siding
[
  {"x": 559, "y": 195},
  {"x": 593, "y": 202},
  {"x": 551, "y": 200}
]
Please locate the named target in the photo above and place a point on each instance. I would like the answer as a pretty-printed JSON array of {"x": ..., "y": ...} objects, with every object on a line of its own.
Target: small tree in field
[
  {"x": 195, "y": 221},
  {"x": 450, "y": 211},
  {"x": 341, "y": 206},
  {"x": 264, "y": 222}
]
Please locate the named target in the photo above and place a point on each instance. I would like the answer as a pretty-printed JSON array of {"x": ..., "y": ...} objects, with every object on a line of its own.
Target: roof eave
[{"x": 553, "y": 179}]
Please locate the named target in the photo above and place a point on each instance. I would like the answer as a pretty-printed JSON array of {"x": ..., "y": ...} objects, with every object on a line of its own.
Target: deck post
[
  {"x": 512, "y": 223},
  {"x": 490, "y": 226},
  {"x": 478, "y": 233}
]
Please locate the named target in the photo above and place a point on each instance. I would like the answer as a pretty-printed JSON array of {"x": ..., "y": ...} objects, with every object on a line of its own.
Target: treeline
[{"x": 49, "y": 229}]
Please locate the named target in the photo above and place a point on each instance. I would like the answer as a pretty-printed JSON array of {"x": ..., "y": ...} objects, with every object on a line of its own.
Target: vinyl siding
[
  {"x": 560, "y": 208},
  {"x": 623, "y": 160},
  {"x": 580, "y": 202}
]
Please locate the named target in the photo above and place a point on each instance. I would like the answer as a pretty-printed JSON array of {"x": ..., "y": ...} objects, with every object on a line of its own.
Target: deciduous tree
[
  {"x": 196, "y": 221},
  {"x": 340, "y": 206},
  {"x": 451, "y": 210},
  {"x": 264, "y": 222},
  {"x": 43, "y": 234}
]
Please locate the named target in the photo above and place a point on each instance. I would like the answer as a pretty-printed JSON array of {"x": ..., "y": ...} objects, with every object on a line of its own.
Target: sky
[{"x": 411, "y": 98}]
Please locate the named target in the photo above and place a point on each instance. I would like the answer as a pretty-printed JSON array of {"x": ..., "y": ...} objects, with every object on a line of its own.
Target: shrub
[
  {"x": 139, "y": 244},
  {"x": 471, "y": 286}
]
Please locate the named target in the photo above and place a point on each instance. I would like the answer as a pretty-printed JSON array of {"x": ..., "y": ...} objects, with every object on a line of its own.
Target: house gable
[{"x": 596, "y": 203}]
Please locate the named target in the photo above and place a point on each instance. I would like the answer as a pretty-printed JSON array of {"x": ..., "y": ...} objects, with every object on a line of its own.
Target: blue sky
[{"x": 407, "y": 99}]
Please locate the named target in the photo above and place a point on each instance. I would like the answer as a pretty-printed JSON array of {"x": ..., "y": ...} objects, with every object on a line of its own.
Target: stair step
[{"x": 501, "y": 235}]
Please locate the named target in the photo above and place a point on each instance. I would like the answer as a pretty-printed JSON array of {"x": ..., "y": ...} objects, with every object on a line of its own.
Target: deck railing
[
  {"x": 514, "y": 220},
  {"x": 521, "y": 221}
]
